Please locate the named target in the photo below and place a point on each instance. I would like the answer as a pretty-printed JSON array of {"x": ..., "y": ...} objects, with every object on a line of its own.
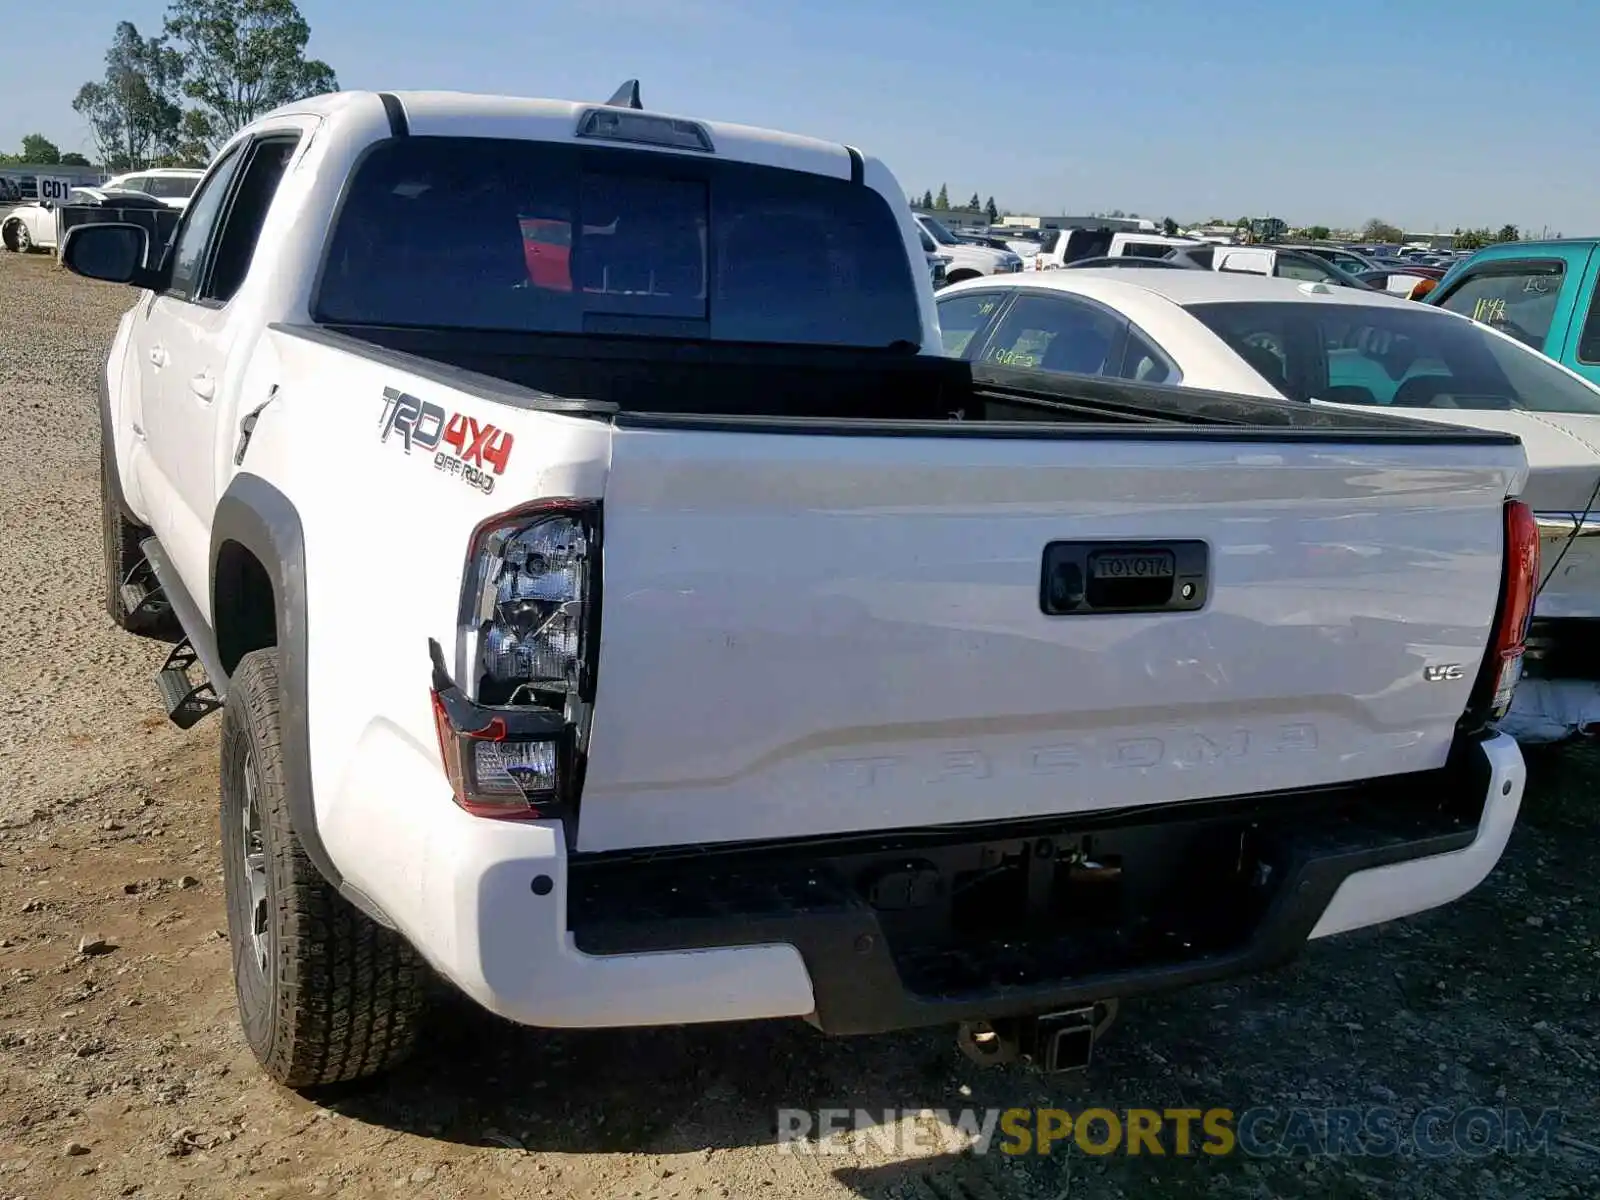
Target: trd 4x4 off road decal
[{"x": 472, "y": 446}]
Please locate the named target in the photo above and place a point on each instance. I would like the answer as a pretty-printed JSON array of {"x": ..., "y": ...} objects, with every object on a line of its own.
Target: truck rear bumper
[{"x": 922, "y": 927}]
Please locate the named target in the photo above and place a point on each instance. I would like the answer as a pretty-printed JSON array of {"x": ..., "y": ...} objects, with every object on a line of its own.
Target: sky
[{"x": 1430, "y": 114}]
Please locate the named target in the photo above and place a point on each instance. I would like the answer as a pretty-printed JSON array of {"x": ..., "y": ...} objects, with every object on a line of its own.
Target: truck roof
[{"x": 468, "y": 114}]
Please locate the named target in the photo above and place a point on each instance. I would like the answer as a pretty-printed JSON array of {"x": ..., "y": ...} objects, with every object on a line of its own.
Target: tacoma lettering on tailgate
[{"x": 1191, "y": 749}]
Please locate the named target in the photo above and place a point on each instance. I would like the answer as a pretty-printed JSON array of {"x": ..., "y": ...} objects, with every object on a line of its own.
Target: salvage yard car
[
  {"x": 1541, "y": 293},
  {"x": 686, "y": 639},
  {"x": 1061, "y": 247},
  {"x": 966, "y": 260},
  {"x": 1278, "y": 261},
  {"x": 33, "y": 226},
  {"x": 1337, "y": 346},
  {"x": 171, "y": 185}
]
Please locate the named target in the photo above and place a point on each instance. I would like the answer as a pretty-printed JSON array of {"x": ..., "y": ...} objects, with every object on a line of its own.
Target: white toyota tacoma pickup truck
[{"x": 618, "y": 604}]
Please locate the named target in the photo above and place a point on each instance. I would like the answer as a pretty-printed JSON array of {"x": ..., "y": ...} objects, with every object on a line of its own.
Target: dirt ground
[{"x": 122, "y": 1072}]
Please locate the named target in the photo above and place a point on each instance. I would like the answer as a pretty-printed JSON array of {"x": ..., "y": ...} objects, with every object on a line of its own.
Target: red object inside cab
[{"x": 547, "y": 250}]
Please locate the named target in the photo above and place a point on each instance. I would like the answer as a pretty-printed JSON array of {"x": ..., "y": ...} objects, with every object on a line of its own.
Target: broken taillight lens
[
  {"x": 500, "y": 762},
  {"x": 513, "y": 731},
  {"x": 526, "y": 605}
]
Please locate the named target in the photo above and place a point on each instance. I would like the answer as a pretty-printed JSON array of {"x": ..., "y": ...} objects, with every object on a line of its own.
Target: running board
[
  {"x": 142, "y": 597},
  {"x": 192, "y": 682},
  {"x": 186, "y": 701}
]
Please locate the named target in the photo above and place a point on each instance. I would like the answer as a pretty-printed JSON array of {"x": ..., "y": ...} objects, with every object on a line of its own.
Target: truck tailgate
[{"x": 814, "y": 633}]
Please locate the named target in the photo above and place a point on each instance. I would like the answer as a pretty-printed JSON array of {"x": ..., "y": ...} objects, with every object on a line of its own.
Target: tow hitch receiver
[
  {"x": 185, "y": 701},
  {"x": 1064, "y": 1041},
  {"x": 1052, "y": 1042}
]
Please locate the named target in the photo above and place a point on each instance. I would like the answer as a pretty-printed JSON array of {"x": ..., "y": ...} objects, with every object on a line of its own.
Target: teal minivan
[{"x": 1541, "y": 293}]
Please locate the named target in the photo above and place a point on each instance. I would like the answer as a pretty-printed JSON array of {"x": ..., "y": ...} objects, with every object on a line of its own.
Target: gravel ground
[
  {"x": 74, "y": 692},
  {"x": 123, "y": 1074}
]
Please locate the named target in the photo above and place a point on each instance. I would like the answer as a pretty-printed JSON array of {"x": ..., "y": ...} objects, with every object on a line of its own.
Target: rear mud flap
[{"x": 1553, "y": 710}]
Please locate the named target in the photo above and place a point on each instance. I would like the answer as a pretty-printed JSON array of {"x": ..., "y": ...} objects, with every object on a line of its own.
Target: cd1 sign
[{"x": 54, "y": 190}]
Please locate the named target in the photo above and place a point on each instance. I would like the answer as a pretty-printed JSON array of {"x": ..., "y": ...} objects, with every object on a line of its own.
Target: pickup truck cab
[
  {"x": 171, "y": 185},
  {"x": 1541, "y": 293},
  {"x": 1061, "y": 247},
  {"x": 966, "y": 260},
  {"x": 677, "y": 635},
  {"x": 1279, "y": 262}
]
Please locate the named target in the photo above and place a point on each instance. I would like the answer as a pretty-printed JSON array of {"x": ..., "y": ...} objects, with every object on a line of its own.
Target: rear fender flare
[{"x": 261, "y": 519}]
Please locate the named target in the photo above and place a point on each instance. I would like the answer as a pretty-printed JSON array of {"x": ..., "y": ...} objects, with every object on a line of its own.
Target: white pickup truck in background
[
  {"x": 616, "y": 602},
  {"x": 964, "y": 260},
  {"x": 1061, "y": 247}
]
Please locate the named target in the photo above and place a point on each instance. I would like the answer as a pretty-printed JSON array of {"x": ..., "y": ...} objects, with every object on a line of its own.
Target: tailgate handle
[{"x": 1083, "y": 578}]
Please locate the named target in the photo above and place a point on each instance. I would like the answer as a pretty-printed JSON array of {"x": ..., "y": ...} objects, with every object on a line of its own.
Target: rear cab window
[
  {"x": 1345, "y": 262},
  {"x": 1519, "y": 298},
  {"x": 1133, "y": 249},
  {"x": 171, "y": 187},
  {"x": 1307, "y": 269},
  {"x": 1244, "y": 262},
  {"x": 527, "y": 236}
]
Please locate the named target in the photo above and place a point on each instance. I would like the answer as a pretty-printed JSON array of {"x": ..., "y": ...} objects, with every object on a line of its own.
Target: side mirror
[{"x": 114, "y": 253}]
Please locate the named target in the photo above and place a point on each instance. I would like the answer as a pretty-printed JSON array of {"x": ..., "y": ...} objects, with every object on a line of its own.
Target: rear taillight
[
  {"x": 501, "y": 762},
  {"x": 513, "y": 731},
  {"x": 1519, "y": 584}
]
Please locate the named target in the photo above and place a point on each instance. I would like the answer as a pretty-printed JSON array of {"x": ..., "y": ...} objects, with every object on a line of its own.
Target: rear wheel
[
  {"x": 326, "y": 994},
  {"x": 20, "y": 237},
  {"x": 11, "y": 234}
]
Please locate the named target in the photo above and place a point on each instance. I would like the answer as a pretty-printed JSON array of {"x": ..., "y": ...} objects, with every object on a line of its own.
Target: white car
[
  {"x": 33, "y": 226},
  {"x": 963, "y": 259},
  {"x": 171, "y": 185},
  {"x": 1062, "y": 247},
  {"x": 1340, "y": 347}
]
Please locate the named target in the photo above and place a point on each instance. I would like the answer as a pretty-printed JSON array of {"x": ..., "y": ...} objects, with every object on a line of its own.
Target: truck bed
[{"x": 616, "y": 375}]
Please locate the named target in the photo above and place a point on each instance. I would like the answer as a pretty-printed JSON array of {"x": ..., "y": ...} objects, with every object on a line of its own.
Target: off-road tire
[
  {"x": 120, "y": 536},
  {"x": 341, "y": 997}
]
